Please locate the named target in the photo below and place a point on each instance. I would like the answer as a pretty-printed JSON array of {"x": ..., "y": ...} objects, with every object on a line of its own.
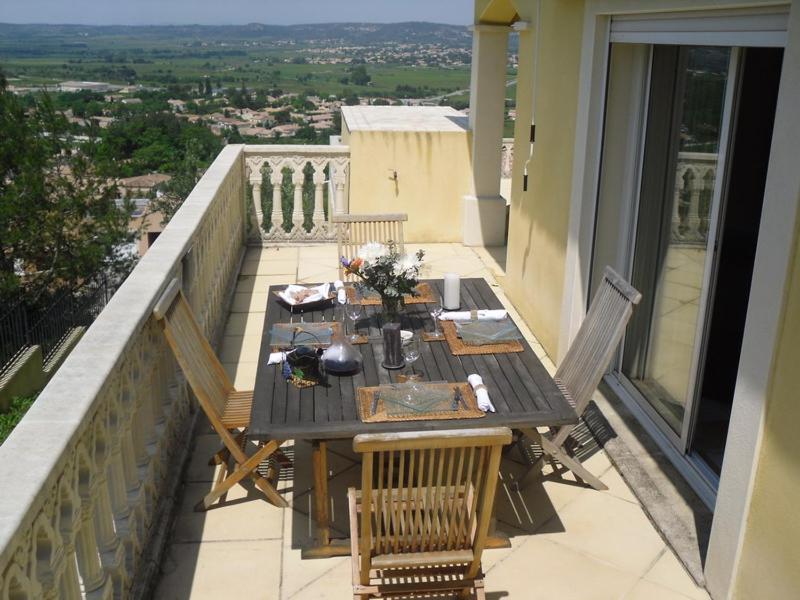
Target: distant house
[
  {"x": 177, "y": 105},
  {"x": 131, "y": 101},
  {"x": 147, "y": 224},
  {"x": 93, "y": 86},
  {"x": 256, "y": 131},
  {"x": 288, "y": 130},
  {"x": 103, "y": 122},
  {"x": 141, "y": 185}
]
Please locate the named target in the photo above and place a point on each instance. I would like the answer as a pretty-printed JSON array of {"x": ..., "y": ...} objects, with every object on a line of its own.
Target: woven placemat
[
  {"x": 366, "y": 394},
  {"x": 428, "y": 336},
  {"x": 459, "y": 348},
  {"x": 334, "y": 325},
  {"x": 424, "y": 295}
]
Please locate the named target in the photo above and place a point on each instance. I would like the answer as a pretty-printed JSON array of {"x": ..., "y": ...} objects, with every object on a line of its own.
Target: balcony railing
[
  {"x": 696, "y": 173},
  {"x": 299, "y": 188},
  {"x": 695, "y": 176},
  {"x": 89, "y": 473},
  {"x": 22, "y": 327}
]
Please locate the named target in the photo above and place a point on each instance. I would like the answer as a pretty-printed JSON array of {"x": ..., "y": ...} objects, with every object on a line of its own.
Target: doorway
[
  {"x": 739, "y": 226},
  {"x": 690, "y": 237}
]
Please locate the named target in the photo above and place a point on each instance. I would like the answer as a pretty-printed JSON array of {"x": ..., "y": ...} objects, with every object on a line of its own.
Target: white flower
[
  {"x": 372, "y": 251},
  {"x": 406, "y": 265}
]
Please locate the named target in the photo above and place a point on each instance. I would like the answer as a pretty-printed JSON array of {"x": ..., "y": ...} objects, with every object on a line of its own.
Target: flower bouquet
[{"x": 383, "y": 269}]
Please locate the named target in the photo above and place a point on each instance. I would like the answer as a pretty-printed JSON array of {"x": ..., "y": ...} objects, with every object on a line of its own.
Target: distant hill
[{"x": 38, "y": 40}]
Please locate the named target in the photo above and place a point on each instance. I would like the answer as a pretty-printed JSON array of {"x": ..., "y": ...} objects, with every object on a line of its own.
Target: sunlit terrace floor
[{"x": 568, "y": 541}]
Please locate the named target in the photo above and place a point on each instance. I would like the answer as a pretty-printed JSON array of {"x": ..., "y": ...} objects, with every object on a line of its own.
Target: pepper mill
[{"x": 392, "y": 347}]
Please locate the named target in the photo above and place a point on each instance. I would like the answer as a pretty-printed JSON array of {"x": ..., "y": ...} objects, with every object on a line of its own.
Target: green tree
[
  {"x": 282, "y": 116},
  {"x": 177, "y": 189},
  {"x": 59, "y": 222},
  {"x": 359, "y": 75}
]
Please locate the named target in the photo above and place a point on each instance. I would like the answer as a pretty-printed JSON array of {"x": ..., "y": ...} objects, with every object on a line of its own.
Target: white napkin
[
  {"x": 466, "y": 315},
  {"x": 476, "y": 381},
  {"x": 276, "y": 357},
  {"x": 341, "y": 294},
  {"x": 321, "y": 292}
]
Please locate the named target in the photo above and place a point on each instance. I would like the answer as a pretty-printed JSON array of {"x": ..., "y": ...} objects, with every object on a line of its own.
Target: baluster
[
  {"x": 89, "y": 565},
  {"x": 276, "y": 178},
  {"x": 68, "y": 502},
  {"x": 339, "y": 177},
  {"x": 254, "y": 166},
  {"x": 298, "y": 178},
  {"x": 693, "y": 220},
  {"x": 676, "y": 215},
  {"x": 46, "y": 554},
  {"x": 319, "y": 180},
  {"x": 130, "y": 470},
  {"x": 708, "y": 194}
]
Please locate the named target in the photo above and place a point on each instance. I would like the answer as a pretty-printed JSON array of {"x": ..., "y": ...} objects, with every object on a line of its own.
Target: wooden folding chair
[
  {"x": 227, "y": 409},
  {"x": 353, "y": 231},
  {"x": 583, "y": 367},
  {"x": 420, "y": 521}
]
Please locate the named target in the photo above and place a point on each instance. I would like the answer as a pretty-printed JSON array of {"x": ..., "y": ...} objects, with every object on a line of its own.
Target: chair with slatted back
[
  {"x": 353, "y": 231},
  {"x": 227, "y": 409},
  {"x": 420, "y": 521},
  {"x": 583, "y": 367}
]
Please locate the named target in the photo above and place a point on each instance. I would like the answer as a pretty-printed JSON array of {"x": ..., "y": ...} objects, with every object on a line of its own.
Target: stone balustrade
[
  {"x": 695, "y": 175},
  {"x": 300, "y": 188},
  {"x": 89, "y": 473}
]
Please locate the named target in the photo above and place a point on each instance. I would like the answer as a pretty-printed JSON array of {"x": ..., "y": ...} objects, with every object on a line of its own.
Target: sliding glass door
[
  {"x": 685, "y": 149},
  {"x": 679, "y": 200}
]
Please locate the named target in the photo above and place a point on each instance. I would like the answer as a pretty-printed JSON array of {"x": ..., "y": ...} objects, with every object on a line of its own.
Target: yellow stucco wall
[
  {"x": 434, "y": 172},
  {"x": 769, "y": 566},
  {"x": 539, "y": 217}
]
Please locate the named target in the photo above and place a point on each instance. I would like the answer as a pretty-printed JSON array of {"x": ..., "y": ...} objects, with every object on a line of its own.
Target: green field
[
  {"x": 181, "y": 58},
  {"x": 253, "y": 71}
]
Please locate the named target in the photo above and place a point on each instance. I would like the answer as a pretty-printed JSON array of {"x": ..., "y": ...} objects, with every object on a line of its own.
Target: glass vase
[{"x": 391, "y": 308}]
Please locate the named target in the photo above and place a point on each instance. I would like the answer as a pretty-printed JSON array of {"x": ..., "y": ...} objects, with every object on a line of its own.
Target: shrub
[{"x": 16, "y": 410}]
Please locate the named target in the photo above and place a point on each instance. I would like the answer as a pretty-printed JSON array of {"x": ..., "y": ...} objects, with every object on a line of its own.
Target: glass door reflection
[{"x": 679, "y": 187}]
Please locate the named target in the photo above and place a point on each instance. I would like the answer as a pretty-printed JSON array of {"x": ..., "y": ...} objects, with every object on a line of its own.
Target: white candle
[{"x": 452, "y": 291}]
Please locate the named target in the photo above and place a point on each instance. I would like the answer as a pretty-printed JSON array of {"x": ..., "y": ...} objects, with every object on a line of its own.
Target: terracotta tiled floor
[{"x": 567, "y": 541}]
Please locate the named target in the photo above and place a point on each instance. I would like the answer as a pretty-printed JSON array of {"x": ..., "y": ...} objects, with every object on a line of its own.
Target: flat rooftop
[{"x": 404, "y": 118}]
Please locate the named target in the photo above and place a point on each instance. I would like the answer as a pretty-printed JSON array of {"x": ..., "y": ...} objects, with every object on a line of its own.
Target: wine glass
[
  {"x": 353, "y": 309},
  {"x": 411, "y": 353},
  {"x": 436, "y": 310},
  {"x": 342, "y": 300}
]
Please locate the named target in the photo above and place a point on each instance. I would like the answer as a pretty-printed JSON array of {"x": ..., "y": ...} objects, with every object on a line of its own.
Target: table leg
[
  {"x": 325, "y": 547},
  {"x": 321, "y": 497},
  {"x": 496, "y": 538}
]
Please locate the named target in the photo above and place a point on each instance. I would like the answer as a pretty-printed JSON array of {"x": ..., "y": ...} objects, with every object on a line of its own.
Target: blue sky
[{"x": 232, "y": 12}]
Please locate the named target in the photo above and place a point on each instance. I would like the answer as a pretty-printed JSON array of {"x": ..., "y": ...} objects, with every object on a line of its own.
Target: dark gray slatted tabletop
[{"x": 522, "y": 391}]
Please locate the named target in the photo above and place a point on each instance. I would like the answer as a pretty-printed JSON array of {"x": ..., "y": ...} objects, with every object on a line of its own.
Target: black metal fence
[{"x": 22, "y": 326}]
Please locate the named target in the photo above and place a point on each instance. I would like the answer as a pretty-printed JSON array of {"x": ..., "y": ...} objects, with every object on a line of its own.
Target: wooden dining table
[{"x": 522, "y": 391}]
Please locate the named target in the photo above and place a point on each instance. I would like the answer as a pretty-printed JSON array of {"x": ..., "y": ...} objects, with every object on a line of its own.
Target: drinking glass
[
  {"x": 353, "y": 310},
  {"x": 411, "y": 353},
  {"x": 341, "y": 302},
  {"x": 436, "y": 312}
]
